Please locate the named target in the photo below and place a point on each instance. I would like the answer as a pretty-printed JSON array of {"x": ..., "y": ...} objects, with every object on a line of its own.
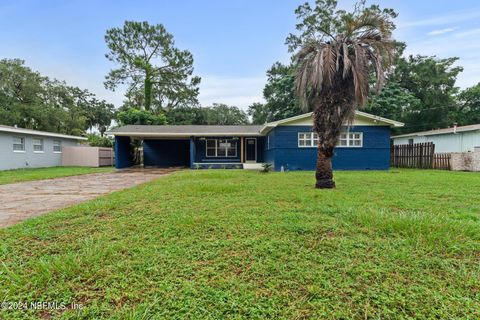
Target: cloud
[
  {"x": 468, "y": 33},
  {"x": 236, "y": 91},
  {"x": 440, "y": 31}
]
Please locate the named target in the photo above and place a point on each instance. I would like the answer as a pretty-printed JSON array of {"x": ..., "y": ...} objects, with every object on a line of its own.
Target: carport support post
[
  {"x": 192, "y": 152},
  {"x": 123, "y": 153}
]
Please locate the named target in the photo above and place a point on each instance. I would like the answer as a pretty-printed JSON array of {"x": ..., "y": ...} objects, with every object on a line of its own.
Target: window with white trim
[
  {"x": 18, "y": 144},
  {"x": 57, "y": 146},
  {"x": 307, "y": 139},
  {"x": 37, "y": 145},
  {"x": 347, "y": 139},
  {"x": 225, "y": 148},
  {"x": 350, "y": 139}
]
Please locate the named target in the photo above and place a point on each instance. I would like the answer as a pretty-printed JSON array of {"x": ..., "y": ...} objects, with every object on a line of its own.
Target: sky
[{"x": 233, "y": 42}]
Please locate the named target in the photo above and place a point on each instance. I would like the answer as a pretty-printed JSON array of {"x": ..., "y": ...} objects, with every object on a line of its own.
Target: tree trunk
[
  {"x": 148, "y": 92},
  {"x": 324, "y": 173}
]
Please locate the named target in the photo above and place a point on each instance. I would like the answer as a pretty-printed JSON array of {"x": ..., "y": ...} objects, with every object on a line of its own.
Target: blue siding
[
  {"x": 374, "y": 155},
  {"x": 268, "y": 148},
  {"x": 279, "y": 147},
  {"x": 123, "y": 153},
  {"x": 261, "y": 145},
  {"x": 166, "y": 153}
]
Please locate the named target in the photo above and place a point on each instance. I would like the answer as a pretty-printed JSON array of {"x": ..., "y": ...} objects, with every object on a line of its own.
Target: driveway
[{"x": 19, "y": 201}]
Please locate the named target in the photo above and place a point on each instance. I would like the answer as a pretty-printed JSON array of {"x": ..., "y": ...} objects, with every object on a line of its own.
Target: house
[
  {"x": 289, "y": 144},
  {"x": 25, "y": 148},
  {"x": 455, "y": 139}
]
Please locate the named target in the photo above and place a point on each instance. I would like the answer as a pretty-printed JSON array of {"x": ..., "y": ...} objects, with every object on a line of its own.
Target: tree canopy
[
  {"x": 420, "y": 90},
  {"x": 217, "y": 114},
  {"x": 157, "y": 74},
  {"x": 33, "y": 101}
]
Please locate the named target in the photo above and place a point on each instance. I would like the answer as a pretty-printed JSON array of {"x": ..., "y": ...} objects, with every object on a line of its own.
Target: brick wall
[{"x": 466, "y": 161}]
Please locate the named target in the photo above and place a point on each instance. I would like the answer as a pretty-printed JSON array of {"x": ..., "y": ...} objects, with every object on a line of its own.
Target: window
[
  {"x": 410, "y": 141},
  {"x": 18, "y": 144},
  {"x": 307, "y": 139},
  {"x": 221, "y": 148},
  {"x": 37, "y": 145},
  {"x": 350, "y": 139},
  {"x": 57, "y": 146},
  {"x": 347, "y": 139}
]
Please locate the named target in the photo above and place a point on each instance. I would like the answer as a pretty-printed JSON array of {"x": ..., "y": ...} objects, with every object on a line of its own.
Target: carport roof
[{"x": 185, "y": 130}]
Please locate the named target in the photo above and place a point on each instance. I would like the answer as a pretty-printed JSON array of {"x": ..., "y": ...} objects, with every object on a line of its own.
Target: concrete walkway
[{"x": 19, "y": 201}]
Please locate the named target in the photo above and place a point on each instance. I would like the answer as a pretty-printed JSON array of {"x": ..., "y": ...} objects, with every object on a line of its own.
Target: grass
[
  {"x": 20, "y": 175},
  {"x": 215, "y": 244}
]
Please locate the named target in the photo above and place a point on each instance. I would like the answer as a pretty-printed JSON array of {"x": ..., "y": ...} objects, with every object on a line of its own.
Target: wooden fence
[
  {"x": 442, "y": 161},
  {"x": 417, "y": 155}
]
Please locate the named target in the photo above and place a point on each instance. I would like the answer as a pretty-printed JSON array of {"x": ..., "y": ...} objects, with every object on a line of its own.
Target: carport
[{"x": 190, "y": 145}]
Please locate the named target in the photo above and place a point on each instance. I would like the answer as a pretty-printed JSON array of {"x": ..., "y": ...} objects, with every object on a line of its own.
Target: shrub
[{"x": 267, "y": 167}]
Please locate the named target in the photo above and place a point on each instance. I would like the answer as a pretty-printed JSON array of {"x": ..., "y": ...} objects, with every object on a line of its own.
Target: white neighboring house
[
  {"x": 25, "y": 148},
  {"x": 455, "y": 139}
]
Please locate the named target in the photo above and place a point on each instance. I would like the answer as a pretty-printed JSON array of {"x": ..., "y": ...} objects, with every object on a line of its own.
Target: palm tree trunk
[{"x": 324, "y": 173}]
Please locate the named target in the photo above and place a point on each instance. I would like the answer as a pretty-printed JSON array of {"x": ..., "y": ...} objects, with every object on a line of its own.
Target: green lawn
[
  {"x": 19, "y": 175},
  {"x": 214, "y": 244}
]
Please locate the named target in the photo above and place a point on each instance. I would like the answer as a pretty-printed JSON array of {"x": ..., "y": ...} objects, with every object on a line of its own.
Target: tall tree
[
  {"x": 432, "y": 81},
  {"x": 394, "y": 102},
  {"x": 279, "y": 94},
  {"x": 30, "y": 100},
  {"x": 338, "y": 50},
  {"x": 222, "y": 114},
  {"x": 468, "y": 111},
  {"x": 156, "y": 72},
  {"x": 217, "y": 114},
  {"x": 259, "y": 112}
]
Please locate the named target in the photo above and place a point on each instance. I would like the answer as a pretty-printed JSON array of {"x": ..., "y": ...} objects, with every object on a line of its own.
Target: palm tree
[{"x": 332, "y": 78}]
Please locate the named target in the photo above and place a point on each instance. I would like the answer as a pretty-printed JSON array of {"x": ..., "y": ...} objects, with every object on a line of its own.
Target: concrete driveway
[{"x": 19, "y": 201}]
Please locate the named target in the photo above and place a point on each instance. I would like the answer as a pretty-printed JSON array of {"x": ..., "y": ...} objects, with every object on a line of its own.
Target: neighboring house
[
  {"x": 289, "y": 144},
  {"x": 455, "y": 139},
  {"x": 25, "y": 148}
]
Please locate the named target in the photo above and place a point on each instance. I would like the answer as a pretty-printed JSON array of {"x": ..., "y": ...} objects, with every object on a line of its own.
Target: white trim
[
  {"x": 348, "y": 133},
  {"x": 39, "y": 133},
  {"x": 59, "y": 145},
  {"x": 251, "y": 161},
  {"x": 216, "y": 148},
  {"x": 23, "y": 144},
  {"x": 437, "y": 132},
  {"x": 41, "y": 144},
  {"x": 270, "y": 125},
  {"x": 314, "y": 142}
]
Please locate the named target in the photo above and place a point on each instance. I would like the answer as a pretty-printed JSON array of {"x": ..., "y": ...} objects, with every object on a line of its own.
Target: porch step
[{"x": 252, "y": 166}]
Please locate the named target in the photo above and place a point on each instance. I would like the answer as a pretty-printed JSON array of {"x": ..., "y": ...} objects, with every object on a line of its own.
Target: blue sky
[{"x": 233, "y": 42}]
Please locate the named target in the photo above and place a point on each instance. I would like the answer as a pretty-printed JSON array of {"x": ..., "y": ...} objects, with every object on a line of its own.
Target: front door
[{"x": 251, "y": 149}]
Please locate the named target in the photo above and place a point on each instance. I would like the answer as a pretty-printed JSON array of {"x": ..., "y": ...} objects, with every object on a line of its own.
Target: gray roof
[
  {"x": 185, "y": 130},
  {"x": 38, "y": 133},
  {"x": 472, "y": 127}
]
